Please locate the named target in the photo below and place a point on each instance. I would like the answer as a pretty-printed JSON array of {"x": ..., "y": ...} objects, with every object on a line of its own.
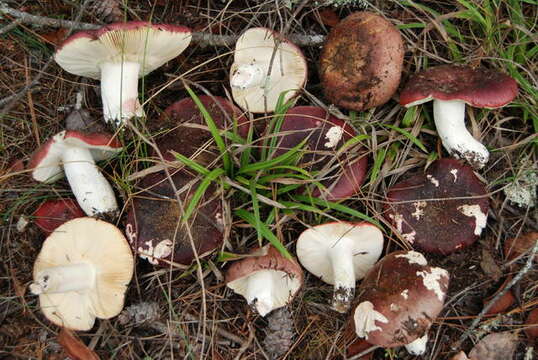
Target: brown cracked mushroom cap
[
  {"x": 440, "y": 211},
  {"x": 155, "y": 220},
  {"x": 361, "y": 61},
  {"x": 399, "y": 299}
]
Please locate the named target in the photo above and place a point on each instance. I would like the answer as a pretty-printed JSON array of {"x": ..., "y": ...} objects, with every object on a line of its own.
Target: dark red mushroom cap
[
  {"x": 184, "y": 129},
  {"x": 440, "y": 211},
  {"x": 326, "y": 135},
  {"x": 479, "y": 87},
  {"x": 53, "y": 213},
  {"x": 400, "y": 297},
  {"x": 155, "y": 228}
]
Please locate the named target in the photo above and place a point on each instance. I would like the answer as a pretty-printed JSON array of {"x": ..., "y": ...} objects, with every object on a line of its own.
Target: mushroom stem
[
  {"x": 260, "y": 291},
  {"x": 343, "y": 274},
  {"x": 417, "y": 347},
  {"x": 93, "y": 192},
  {"x": 119, "y": 91},
  {"x": 449, "y": 119},
  {"x": 247, "y": 76},
  {"x": 61, "y": 279}
]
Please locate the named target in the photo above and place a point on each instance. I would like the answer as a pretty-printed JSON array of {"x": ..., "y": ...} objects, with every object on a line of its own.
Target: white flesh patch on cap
[
  {"x": 433, "y": 180},
  {"x": 131, "y": 234},
  {"x": 365, "y": 317},
  {"x": 394, "y": 307},
  {"x": 410, "y": 237},
  {"x": 405, "y": 294},
  {"x": 417, "y": 347},
  {"x": 419, "y": 209},
  {"x": 152, "y": 254},
  {"x": 333, "y": 136},
  {"x": 414, "y": 257},
  {"x": 476, "y": 212},
  {"x": 398, "y": 219},
  {"x": 454, "y": 172},
  {"x": 432, "y": 280}
]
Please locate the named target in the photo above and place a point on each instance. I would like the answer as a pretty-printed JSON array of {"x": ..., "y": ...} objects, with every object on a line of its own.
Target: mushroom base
[{"x": 61, "y": 279}]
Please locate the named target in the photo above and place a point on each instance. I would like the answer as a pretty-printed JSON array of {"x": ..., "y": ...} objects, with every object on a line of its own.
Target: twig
[{"x": 10, "y": 27}]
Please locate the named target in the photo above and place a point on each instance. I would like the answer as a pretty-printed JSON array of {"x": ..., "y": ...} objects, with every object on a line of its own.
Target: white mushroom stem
[
  {"x": 119, "y": 91},
  {"x": 449, "y": 119},
  {"x": 418, "y": 347},
  {"x": 93, "y": 192},
  {"x": 260, "y": 291},
  {"x": 247, "y": 76},
  {"x": 61, "y": 279},
  {"x": 341, "y": 255}
]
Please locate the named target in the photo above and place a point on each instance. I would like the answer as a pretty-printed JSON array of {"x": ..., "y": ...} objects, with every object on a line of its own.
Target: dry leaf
[
  {"x": 74, "y": 348},
  {"x": 504, "y": 302},
  {"x": 55, "y": 37},
  {"x": 489, "y": 266},
  {"x": 496, "y": 346},
  {"x": 531, "y": 326}
]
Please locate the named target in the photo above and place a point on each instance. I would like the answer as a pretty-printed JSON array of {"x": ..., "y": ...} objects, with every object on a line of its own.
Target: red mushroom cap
[
  {"x": 53, "y": 213},
  {"x": 479, "y": 87},
  {"x": 440, "y": 211}
]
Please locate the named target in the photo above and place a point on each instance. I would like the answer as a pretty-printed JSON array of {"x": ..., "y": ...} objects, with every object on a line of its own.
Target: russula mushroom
[
  {"x": 156, "y": 230},
  {"x": 53, "y": 213},
  {"x": 451, "y": 87},
  {"x": 77, "y": 153},
  {"x": 265, "y": 65},
  {"x": 118, "y": 54},
  {"x": 82, "y": 272},
  {"x": 344, "y": 172},
  {"x": 184, "y": 129},
  {"x": 440, "y": 211},
  {"x": 266, "y": 279},
  {"x": 361, "y": 61},
  {"x": 399, "y": 299},
  {"x": 340, "y": 253}
]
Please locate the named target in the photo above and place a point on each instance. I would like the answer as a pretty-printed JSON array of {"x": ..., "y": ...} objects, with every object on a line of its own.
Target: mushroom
[
  {"x": 82, "y": 272},
  {"x": 118, "y": 54},
  {"x": 326, "y": 134},
  {"x": 340, "y": 253},
  {"x": 361, "y": 61},
  {"x": 399, "y": 299},
  {"x": 451, "y": 87},
  {"x": 265, "y": 65},
  {"x": 154, "y": 226},
  {"x": 440, "y": 211},
  {"x": 77, "y": 152},
  {"x": 53, "y": 213},
  {"x": 266, "y": 279}
]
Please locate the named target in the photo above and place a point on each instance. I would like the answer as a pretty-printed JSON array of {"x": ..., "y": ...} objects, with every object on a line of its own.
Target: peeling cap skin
[
  {"x": 440, "y": 211},
  {"x": 361, "y": 61},
  {"x": 268, "y": 281},
  {"x": 399, "y": 299},
  {"x": 252, "y": 89},
  {"x": 154, "y": 226},
  {"x": 53, "y": 213},
  {"x": 326, "y": 135},
  {"x": 184, "y": 129},
  {"x": 340, "y": 253},
  {"x": 82, "y": 273},
  {"x": 451, "y": 87}
]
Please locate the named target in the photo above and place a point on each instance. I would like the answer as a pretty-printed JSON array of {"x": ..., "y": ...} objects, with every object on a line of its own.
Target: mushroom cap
[
  {"x": 516, "y": 247},
  {"x": 440, "y": 211},
  {"x": 483, "y": 88},
  {"x": 314, "y": 244},
  {"x": 154, "y": 226},
  {"x": 326, "y": 135},
  {"x": 399, "y": 299},
  {"x": 361, "y": 61},
  {"x": 150, "y": 45},
  {"x": 186, "y": 137},
  {"x": 91, "y": 241},
  {"x": 53, "y": 213},
  {"x": 287, "y": 275},
  {"x": 288, "y": 72},
  {"x": 46, "y": 162}
]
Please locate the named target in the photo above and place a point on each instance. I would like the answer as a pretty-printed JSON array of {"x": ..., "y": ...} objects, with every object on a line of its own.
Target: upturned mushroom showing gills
[
  {"x": 155, "y": 228},
  {"x": 361, "y": 61},
  {"x": 82, "y": 273},
  {"x": 399, "y": 299},
  {"x": 451, "y": 87},
  {"x": 118, "y": 54},
  {"x": 53, "y": 213},
  {"x": 265, "y": 65},
  {"x": 340, "y": 253},
  {"x": 77, "y": 153},
  {"x": 440, "y": 211},
  {"x": 266, "y": 279}
]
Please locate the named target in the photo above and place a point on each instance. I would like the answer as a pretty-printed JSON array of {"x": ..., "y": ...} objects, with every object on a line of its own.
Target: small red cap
[{"x": 53, "y": 213}]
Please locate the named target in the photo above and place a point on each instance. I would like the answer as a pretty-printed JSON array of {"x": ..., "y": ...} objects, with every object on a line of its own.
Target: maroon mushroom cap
[
  {"x": 53, "y": 213},
  {"x": 400, "y": 297},
  {"x": 155, "y": 228},
  {"x": 440, "y": 211},
  {"x": 361, "y": 61},
  {"x": 326, "y": 135},
  {"x": 479, "y": 87},
  {"x": 181, "y": 131}
]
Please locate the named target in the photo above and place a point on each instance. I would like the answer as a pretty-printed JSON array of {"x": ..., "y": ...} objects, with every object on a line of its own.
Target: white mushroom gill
[
  {"x": 61, "y": 279},
  {"x": 365, "y": 317}
]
